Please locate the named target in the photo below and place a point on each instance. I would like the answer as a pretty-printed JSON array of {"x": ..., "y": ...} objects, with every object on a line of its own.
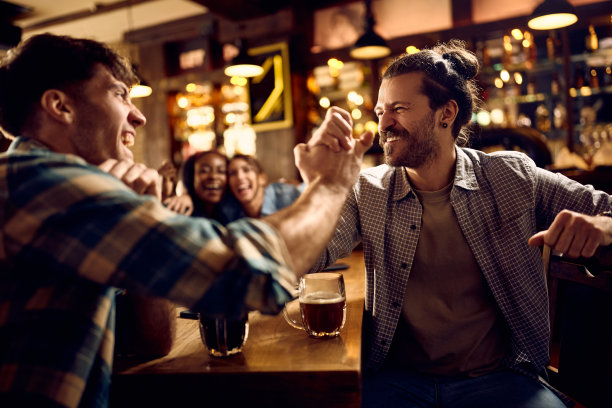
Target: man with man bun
[{"x": 456, "y": 307}]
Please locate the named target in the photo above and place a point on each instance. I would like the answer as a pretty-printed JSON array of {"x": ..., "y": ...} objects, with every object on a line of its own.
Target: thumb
[
  {"x": 537, "y": 239},
  {"x": 365, "y": 142},
  {"x": 298, "y": 151}
]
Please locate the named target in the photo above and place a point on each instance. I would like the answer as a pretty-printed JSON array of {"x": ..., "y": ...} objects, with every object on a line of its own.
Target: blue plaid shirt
[
  {"x": 500, "y": 200},
  {"x": 70, "y": 235}
]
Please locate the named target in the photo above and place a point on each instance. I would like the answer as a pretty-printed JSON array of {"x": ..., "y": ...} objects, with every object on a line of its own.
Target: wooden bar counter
[{"x": 278, "y": 366}]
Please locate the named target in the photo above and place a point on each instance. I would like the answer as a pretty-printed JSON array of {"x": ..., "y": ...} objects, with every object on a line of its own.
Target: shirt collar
[
  {"x": 24, "y": 144},
  {"x": 464, "y": 171}
]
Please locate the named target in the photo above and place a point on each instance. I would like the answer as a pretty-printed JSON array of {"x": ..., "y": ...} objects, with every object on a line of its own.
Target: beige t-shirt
[{"x": 450, "y": 324}]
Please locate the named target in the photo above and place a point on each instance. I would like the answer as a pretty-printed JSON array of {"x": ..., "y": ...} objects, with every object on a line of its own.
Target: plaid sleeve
[{"x": 70, "y": 218}]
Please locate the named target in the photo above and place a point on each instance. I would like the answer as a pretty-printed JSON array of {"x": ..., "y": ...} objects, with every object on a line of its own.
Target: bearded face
[{"x": 415, "y": 148}]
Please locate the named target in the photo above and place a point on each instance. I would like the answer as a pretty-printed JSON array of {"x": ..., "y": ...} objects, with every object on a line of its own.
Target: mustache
[{"x": 385, "y": 134}]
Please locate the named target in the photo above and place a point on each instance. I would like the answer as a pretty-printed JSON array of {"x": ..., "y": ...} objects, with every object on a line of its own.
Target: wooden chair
[{"x": 580, "y": 297}]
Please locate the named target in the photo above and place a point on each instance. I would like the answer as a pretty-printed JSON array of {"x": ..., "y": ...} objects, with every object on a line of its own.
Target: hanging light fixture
[
  {"x": 243, "y": 65},
  {"x": 370, "y": 45},
  {"x": 551, "y": 14},
  {"x": 142, "y": 88}
]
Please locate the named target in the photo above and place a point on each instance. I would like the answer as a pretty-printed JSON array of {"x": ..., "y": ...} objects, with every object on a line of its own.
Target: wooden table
[{"x": 279, "y": 365}]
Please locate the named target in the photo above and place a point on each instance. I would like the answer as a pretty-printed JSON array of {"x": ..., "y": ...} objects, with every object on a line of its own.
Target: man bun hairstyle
[{"x": 450, "y": 70}]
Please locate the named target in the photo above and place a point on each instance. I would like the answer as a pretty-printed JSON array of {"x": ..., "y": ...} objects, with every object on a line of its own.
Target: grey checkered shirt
[{"x": 500, "y": 200}]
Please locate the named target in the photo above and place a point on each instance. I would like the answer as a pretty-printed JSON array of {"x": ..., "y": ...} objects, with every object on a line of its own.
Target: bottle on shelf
[{"x": 591, "y": 41}]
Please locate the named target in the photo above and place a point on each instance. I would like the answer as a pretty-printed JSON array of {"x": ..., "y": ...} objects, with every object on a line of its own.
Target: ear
[
  {"x": 449, "y": 112},
  {"x": 58, "y": 106}
]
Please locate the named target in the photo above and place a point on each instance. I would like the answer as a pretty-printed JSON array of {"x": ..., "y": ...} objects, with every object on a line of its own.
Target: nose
[
  {"x": 385, "y": 121},
  {"x": 136, "y": 118}
]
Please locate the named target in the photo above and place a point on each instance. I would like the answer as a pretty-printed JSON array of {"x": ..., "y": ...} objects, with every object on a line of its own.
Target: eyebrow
[
  {"x": 119, "y": 85},
  {"x": 395, "y": 103}
]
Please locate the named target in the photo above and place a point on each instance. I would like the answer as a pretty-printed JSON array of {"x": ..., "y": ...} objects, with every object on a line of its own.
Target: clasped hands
[{"x": 333, "y": 155}]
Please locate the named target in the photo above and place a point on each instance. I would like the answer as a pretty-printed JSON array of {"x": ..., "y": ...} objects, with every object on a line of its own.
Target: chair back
[{"x": 580, "y": 300}]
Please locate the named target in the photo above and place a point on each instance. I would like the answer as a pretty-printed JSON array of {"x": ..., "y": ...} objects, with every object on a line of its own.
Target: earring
[{"x": 444, "y": 125}]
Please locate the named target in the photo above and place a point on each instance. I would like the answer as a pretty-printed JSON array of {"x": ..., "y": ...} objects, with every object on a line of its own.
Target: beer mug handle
[{"x": 290, "y": 320}]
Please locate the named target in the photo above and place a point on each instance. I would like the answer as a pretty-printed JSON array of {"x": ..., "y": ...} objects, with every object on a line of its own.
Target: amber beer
[{"x": 323, "y": 313}]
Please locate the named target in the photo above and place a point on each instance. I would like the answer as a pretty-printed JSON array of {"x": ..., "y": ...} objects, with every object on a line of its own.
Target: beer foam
[{"x": 322, "y": 298}]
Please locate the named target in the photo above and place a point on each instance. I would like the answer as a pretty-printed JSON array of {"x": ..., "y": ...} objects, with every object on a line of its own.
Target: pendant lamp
[
  {"x": 370, "y": 45},
  {"x": 142, "y": 88},
  {"x": 243, "y": 65},
  {"x": 551, "y": 14}
]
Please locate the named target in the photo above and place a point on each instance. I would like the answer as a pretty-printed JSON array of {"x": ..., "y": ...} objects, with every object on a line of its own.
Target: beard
[{"x": 413, "y": 149}]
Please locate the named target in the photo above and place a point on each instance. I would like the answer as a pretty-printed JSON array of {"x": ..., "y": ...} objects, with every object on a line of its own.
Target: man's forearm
[{"x": 307, "y": 225}]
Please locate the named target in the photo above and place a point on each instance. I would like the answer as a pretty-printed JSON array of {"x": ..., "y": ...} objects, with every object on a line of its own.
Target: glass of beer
[
  {"x": 223, "y": 337},
  {"x": 322, "y": 301}
]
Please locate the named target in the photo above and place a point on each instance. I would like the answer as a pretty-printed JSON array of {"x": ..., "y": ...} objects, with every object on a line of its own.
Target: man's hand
[
  {"x": 180, "y": 204},
  {"x": 336, "y": 131},
  {"x": 332, "y": 168},
  {"x": 137, "y": 176},
  {"x": 575, "y": 234}
]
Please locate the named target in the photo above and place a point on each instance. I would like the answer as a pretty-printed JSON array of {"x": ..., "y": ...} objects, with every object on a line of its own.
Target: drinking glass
[{"x": 322, "y": 300}]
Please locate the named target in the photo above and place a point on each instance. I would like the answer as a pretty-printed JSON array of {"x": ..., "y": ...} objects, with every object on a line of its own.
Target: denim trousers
[{"x": 391, "y": 388}]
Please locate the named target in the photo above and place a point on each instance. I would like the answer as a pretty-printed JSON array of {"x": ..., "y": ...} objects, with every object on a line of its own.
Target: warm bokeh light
[
  {"x": 526, "y": 43},
  {"x": 586, "y": 91},
  {"x": 239, "y": 81},
  {"x": 356, "y": 114},
  {"x": 499, "y": 83},
  {"x": 371, "y": 126},
  {"x": 335, "y": 63},
  {"x": 507, "y": 43},
  {"x": 230, "y": 118},
  {"x": 504, "y": 75},
  {"x": 483, "y": 118},
  {"x": 190, "y": 87},
  {"x": 497, "y": 116},
  {"x": 518, "y": 78},
  {"x": 324, "y": 102},
  {"x": 517, "y": 34},
  {"x": 411, "y": 49},
  {"x": 182, "y": 102},
  {"x": 355, "y": 98}
]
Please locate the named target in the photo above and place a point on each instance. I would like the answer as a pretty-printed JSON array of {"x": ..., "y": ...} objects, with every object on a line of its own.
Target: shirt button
[
  {"x": 413, "y": 227},
  {"x": 404, "y": 265},
  {"x": 395, "y": 304}
]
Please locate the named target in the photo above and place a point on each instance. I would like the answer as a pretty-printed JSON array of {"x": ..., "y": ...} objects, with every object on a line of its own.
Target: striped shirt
[
  {"x": 70, "y": 235},
  {"x": 500, "y": 201}
]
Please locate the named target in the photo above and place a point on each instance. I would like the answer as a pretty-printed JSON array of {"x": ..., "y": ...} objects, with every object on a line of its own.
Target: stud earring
[{"x": 444, "y": 125}]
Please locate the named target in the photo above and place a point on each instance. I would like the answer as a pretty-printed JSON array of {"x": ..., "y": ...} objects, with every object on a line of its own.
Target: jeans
[{"x": 505, "y": 389}]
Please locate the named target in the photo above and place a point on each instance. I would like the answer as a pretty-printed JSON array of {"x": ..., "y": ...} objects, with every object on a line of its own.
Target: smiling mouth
[
  {"x": 212, "y": 187},
  {"x": 243, "y": 188},
  {"x": 127, "y": 139}
]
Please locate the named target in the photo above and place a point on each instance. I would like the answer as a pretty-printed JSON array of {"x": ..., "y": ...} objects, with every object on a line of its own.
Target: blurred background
[{"x": 547, "y": 92}]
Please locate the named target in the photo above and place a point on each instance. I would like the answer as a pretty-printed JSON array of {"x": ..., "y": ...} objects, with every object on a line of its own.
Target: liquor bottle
[{"x": 591, "y": 41}]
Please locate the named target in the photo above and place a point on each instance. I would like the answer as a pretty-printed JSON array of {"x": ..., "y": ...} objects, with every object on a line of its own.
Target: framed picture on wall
[{"x": 270, "y": 93}]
